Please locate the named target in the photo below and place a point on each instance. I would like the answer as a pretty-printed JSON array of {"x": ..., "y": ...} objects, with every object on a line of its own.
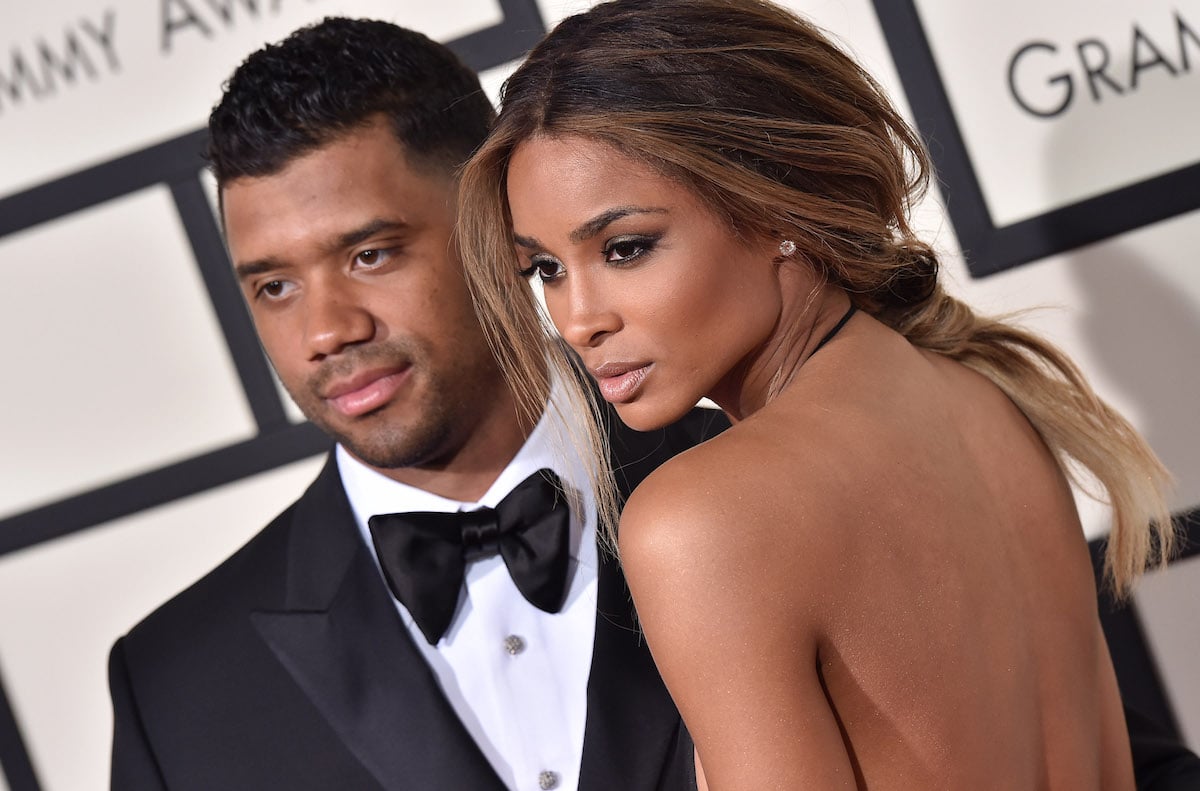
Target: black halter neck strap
[{"x": 836, "y": 328}]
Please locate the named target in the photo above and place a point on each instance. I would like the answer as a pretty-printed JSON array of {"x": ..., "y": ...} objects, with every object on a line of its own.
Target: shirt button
[
  {"x": 515, "y": 644},
  {"x": 548, "y": 780}
]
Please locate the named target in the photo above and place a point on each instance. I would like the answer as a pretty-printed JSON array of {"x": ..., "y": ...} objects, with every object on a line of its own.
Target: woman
[{"x": 877, "y": 576}]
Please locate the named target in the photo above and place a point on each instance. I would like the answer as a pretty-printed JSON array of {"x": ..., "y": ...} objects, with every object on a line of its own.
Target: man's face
[{"x": 345, "y": 260}]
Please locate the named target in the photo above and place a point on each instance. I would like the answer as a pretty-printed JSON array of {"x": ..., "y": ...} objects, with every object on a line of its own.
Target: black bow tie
[{"x": 424, "y": 555}]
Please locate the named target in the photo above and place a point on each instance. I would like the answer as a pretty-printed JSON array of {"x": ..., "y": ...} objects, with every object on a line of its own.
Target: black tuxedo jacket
[{"x": 287, "y": 667}]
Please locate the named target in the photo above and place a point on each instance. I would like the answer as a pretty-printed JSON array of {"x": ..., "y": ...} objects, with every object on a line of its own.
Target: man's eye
[
  {"x": 275, "y": 289},
  {"x": 371, "y": 258}
]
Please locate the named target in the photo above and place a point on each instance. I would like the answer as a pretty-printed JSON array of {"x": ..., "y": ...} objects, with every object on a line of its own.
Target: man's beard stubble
[{"x": 424, "y": 426}]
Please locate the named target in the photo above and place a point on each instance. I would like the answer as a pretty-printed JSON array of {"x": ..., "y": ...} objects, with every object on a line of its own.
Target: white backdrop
[{"x": 116, "y": 363}]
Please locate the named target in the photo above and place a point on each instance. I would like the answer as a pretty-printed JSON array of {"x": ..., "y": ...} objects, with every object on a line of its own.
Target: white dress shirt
[{"x": 515, "y": 675}]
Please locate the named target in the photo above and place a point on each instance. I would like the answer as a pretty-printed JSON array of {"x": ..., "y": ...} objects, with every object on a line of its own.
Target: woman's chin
[{"x": 642, "y": 416}]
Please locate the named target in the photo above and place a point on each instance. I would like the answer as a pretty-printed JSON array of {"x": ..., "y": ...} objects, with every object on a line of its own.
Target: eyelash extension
[
  {"x": 538, "y": 262},
  {"x": 645, "y": 243}
]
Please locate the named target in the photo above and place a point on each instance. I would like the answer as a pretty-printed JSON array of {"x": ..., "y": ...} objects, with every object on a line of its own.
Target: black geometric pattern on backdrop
[
  {"x": 177, "y": 164},
  {"x": 990, "y": 248}
]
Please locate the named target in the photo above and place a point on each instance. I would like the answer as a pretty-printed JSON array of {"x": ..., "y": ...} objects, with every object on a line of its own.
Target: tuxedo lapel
[
  {"x": 340, "y": 638},
  {"x": 634, "y": 738},
  {"x": 633, "y": 731}
]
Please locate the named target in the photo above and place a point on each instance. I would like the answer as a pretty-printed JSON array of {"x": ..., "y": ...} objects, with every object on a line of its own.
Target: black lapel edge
[
  {"x": 343, "y": 643},
  {"x": 634, "y": 737}
]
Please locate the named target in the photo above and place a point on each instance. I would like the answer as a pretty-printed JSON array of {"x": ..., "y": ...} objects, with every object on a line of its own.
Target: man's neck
[{"x": 477, "y": 460}]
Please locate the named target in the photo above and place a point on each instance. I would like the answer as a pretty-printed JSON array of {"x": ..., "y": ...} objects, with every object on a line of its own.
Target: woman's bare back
[{"x": 914, "y": 548}]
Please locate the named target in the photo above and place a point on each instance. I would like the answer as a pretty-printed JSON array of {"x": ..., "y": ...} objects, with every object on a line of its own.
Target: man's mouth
[{"x": 365, "y": 391}]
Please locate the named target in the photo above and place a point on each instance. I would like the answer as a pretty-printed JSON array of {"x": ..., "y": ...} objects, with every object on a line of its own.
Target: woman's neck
[{"x": 809, "y": 310}]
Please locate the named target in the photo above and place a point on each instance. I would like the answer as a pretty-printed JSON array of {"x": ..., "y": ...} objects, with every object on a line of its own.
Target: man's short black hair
[{"x": 324, "y": 80}]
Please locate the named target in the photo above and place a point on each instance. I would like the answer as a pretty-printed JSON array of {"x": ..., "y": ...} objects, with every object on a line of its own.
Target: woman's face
[{"x": 664, "y": 303}]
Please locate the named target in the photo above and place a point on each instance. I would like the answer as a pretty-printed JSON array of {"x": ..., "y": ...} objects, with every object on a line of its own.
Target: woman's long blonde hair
[{"x": 781, "y": 133}]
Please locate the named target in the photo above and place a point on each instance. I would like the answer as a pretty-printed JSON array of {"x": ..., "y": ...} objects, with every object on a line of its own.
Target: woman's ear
[{"x": 784, "y": 250}]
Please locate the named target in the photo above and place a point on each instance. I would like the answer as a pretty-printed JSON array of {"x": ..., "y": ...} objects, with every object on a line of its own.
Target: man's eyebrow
[
  {"x": 248, "y": 269},
  {"x": 251, "y": 269},
  {"x": 367, "y": 230}
]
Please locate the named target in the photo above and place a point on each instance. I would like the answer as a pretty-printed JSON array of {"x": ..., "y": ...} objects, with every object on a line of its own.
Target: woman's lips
[
  {"x": 366, "y": 391},
  {"x": 620, "y": 382}
]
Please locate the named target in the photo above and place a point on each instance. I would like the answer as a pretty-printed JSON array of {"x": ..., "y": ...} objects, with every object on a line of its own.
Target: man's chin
[
  {"x": 381, "y": 458},
  {"x": 391, "y": 447},
  {"x": 362, "y": 443}
]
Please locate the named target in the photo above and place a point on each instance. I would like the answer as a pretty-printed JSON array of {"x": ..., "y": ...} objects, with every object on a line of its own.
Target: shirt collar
[{"x": 370, "y": 492}]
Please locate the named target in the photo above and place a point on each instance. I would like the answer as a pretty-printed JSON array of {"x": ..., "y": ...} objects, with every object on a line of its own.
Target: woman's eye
[
  {"x": 620, "y": 251},
  {"x": 545, "y": 268}
]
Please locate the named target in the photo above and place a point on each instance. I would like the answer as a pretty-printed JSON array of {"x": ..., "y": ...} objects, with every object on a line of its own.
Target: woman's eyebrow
[{"x": 590, "y": 228}]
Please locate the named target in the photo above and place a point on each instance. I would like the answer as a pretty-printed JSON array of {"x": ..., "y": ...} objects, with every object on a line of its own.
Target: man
[{"x": 312, "y": 658}]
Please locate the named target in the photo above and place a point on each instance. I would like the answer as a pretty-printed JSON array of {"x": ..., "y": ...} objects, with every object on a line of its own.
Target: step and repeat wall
[{"x": 146, "y": 437}]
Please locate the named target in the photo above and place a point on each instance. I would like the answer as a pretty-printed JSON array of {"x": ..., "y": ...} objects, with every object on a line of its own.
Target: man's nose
[{"x": 336, "y": 319}]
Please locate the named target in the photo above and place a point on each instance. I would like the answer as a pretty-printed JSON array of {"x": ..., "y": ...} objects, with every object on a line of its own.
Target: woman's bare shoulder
[
  {"x": 733, "y": 509},
  {"x": 732, "y": 609}
]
